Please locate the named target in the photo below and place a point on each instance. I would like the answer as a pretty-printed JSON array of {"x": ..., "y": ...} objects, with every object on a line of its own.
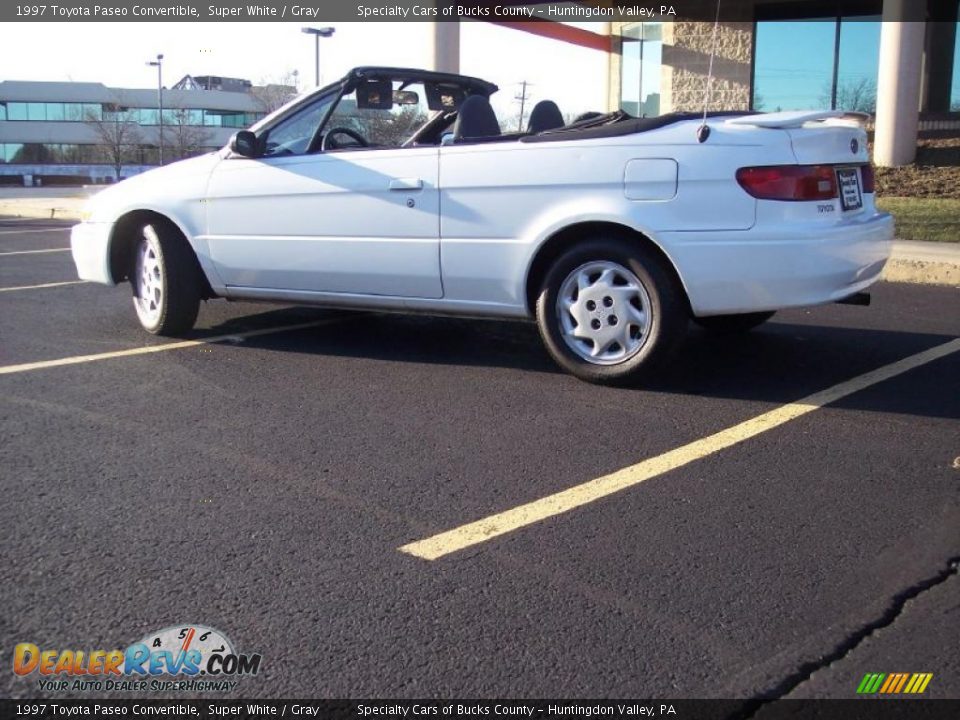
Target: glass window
[
  {"x": 3, "y": 112},
  {"x": 149, "y": 116},
  {"x": 955, "y": 82},
  {"x": 16, "y": 111},
  {"x": 35, "y": 153},
  {"x": 292, "y": 136},
  {"x": 798, "y": 61},
  {"x": 96, "y": 154},
  {"x": 55, "y": 111},
  {"x": 384, "y": 127},
  {"x": 73, "y": 112},
  {"x": 93, "y": 111},
  {"x": 858, "y": 64},
  {"x": 640, "y": 69},
  {"x": 71, "y": 154},
  {"x": 36, "y": 111},
  {"x": 12, "y": 152},
  {"x": 794, "y": 64}
]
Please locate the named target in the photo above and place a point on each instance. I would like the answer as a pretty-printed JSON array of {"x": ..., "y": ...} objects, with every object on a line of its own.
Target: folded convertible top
[{"x": 623, "y": 124}]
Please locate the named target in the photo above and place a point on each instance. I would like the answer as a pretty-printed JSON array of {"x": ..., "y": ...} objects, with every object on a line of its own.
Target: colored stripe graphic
[
  {"x": 894, "y": 683},
  {"x": 870, "y": 683}
]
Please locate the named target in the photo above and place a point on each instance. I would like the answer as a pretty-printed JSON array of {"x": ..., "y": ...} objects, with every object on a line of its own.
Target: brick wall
[{"x": 686, "y": 59}]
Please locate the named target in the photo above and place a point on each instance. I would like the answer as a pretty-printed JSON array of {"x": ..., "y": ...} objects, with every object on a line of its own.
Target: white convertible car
[{"x": 396, "y": 189}]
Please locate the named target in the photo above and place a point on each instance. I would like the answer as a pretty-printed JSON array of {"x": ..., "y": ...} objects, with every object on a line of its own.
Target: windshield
[
  {"x": 383, "y": 113},
  {"x": 377, "y": 113}
]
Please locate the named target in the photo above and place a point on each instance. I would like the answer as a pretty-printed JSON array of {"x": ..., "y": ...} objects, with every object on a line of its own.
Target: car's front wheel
[
  {"x": 165, "y": 280},
  {"x": 609, "y": 311}
]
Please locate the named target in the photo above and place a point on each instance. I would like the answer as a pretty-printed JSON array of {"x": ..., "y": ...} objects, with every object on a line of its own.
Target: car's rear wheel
[
  {"x": 733, "y": 324},
  {"x": 165, "y": 280},
  {"x": 609, "y": 311}
]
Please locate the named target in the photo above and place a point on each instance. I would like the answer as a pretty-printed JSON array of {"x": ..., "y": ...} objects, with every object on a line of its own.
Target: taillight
[
  {"x": 869, "y": 179},
  {"x": 789, "y": 182}
]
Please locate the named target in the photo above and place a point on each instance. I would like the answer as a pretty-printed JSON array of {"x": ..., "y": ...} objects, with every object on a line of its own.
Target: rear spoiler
[{"x": 798, "y": 118}]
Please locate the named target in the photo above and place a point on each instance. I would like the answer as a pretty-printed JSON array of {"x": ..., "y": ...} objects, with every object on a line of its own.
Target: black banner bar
[
  {"x": 407, "y": 11},
  {"x": 863, "y": 709}
]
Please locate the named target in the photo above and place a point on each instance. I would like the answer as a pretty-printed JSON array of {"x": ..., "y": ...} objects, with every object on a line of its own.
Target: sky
[{"x": 116, "y": 55}]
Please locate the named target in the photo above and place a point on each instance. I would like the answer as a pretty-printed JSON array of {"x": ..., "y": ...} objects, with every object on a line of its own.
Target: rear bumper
[
  {"x": 792, "y": 265},
  {"x": 90, "y": 246}
]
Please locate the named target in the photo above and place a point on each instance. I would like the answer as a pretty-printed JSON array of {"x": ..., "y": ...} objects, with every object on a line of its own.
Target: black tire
[
  {"x": 668, "y": 311},
  {"x": 733, "y": 324},
  {"x": 173, "y": 311}
]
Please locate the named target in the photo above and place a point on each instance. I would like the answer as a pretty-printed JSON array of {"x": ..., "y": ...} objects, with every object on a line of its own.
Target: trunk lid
[{"x": 818, "y": 137}]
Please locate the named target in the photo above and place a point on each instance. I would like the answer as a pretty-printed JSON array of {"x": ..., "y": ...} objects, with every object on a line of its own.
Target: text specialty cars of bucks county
[{"x": 396, "y": 189}]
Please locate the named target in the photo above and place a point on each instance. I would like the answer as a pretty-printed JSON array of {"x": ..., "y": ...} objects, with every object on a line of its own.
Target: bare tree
[
  {"x": 857, "y": 95},
  {"x": 118, "y": 134},
  {"x": 183, "y": 134},
  {"x": 275, "y": 93}
]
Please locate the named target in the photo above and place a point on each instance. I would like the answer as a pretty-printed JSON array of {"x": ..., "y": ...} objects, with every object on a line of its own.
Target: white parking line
[
  {"x": 78, "y": 359},
  {"x": 502, "y": 523},
  {"x": 21, "y": 232},
  {"x": 34, "y": 252},
  {"x": 44, "y": 285}
]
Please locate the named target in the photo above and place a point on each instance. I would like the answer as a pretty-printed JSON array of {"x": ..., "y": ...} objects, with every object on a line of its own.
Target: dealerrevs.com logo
[{"x": 191, "y": 658}]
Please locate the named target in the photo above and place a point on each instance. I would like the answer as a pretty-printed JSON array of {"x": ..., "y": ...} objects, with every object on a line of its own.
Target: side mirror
[{"x": 245, "y": 143}]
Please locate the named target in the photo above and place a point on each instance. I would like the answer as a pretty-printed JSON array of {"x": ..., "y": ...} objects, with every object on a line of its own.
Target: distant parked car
[{"x": 396, "y": 189}]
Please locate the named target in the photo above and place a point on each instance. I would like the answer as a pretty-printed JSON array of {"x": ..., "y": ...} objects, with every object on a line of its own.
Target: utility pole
[{"x": 522, "y": 97}]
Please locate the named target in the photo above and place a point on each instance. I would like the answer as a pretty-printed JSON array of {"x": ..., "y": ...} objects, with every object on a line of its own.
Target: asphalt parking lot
[{"x": 263, "y": 484}]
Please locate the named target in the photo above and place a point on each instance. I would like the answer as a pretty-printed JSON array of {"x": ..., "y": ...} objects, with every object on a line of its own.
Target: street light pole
[
  {"x": 317, "y": 34},
  {"x": 158, "y": 63}
]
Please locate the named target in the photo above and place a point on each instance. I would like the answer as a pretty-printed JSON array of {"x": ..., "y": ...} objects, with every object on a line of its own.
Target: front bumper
[
  {"x": 90, "y": 246},
  {"x": 787, "y": 266}
]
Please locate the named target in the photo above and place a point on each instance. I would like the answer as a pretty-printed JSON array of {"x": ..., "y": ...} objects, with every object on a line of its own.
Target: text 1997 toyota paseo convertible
[{"x": 396, "y": 189}]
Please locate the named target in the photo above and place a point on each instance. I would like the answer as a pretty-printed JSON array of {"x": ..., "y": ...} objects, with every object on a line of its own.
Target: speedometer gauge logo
[{"x": 188, "y": 650}]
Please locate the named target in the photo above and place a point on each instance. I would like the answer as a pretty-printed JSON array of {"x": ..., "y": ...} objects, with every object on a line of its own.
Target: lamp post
[
  {"x": 158, "y": 63},
  {"x": 317, "y": 34}
]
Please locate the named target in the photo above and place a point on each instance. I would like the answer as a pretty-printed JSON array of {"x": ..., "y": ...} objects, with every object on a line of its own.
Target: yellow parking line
[
  {"x": 44, "y": 285},
  {"x": 505, "y": 522},
  {"x": 78, "y": 359},
  {"x": 34, "y": 252}
]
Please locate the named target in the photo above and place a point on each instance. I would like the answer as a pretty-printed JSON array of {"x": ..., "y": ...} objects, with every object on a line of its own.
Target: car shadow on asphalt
[{"x": 780, "y": 362}]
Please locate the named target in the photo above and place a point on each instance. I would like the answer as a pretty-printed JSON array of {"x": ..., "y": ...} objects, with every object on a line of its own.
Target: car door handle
[{"x": 406, "y": 184}]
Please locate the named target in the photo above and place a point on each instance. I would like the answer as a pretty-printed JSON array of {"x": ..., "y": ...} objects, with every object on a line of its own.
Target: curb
[
  {"x": 19, "y": 210},
  {"x": 903, "y": 270}
]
